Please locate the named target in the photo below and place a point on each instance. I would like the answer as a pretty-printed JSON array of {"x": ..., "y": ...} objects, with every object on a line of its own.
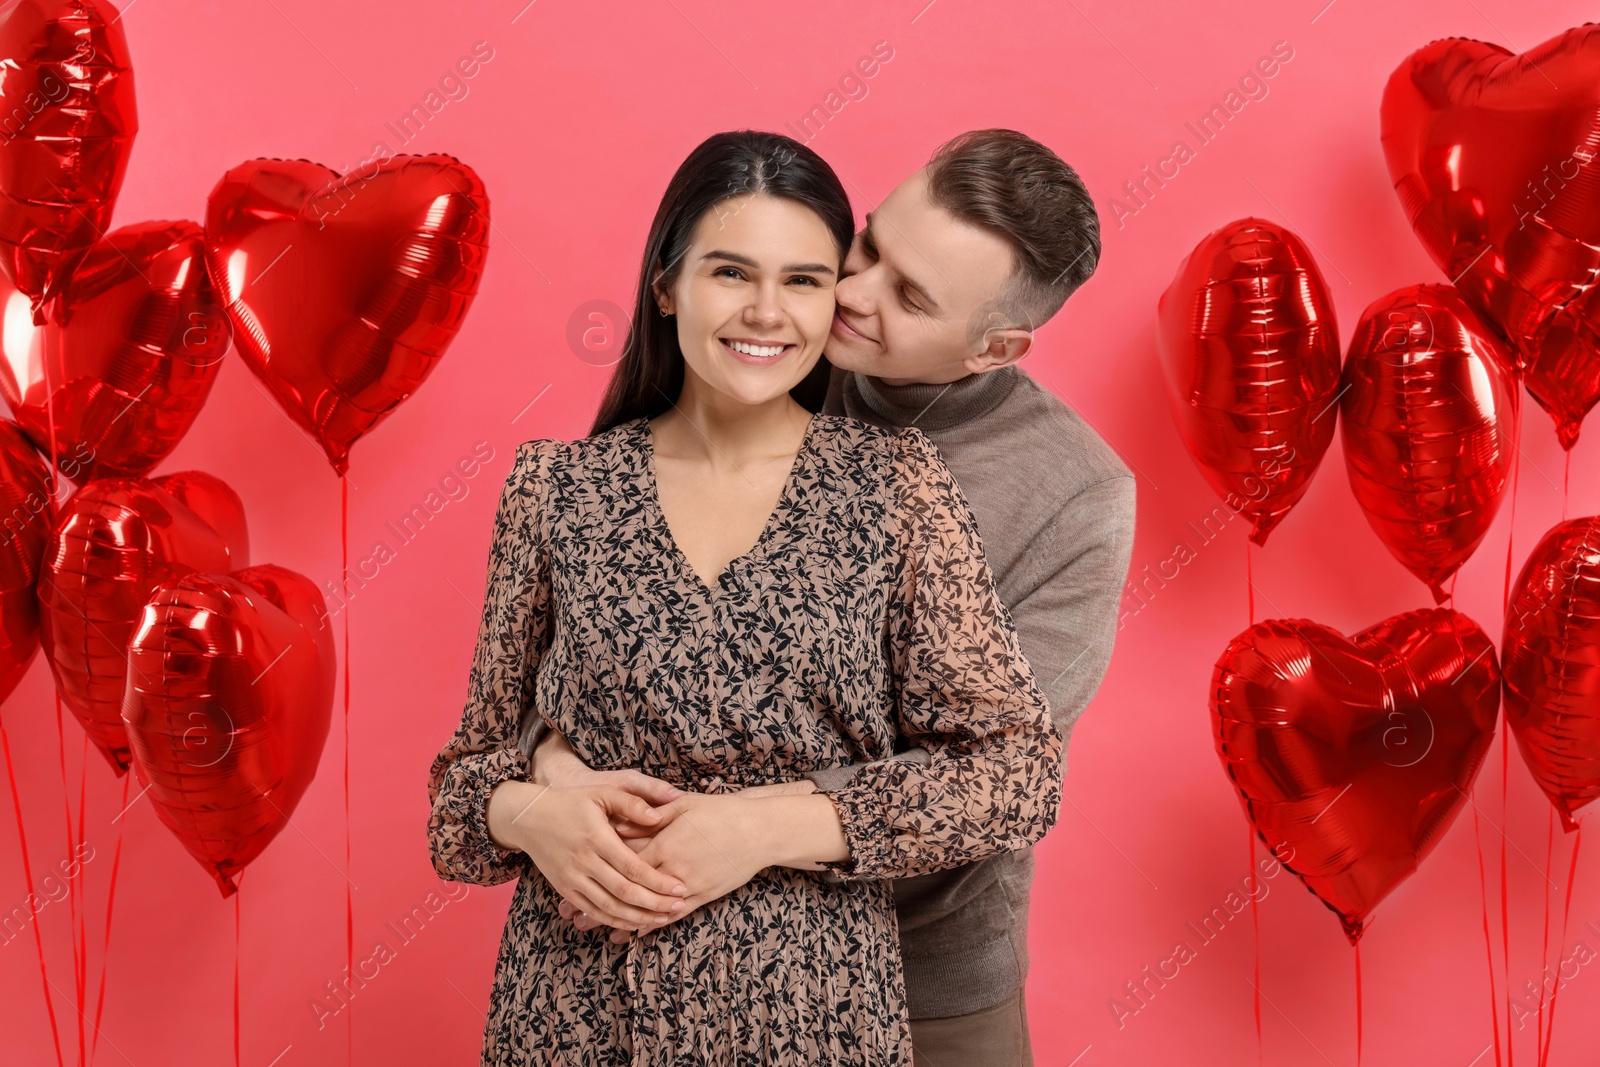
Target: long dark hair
[{"x": 649, "y": 375}]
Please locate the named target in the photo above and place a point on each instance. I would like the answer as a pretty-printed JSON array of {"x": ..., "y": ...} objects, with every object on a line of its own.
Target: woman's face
[{"x": 754, "y": 296}]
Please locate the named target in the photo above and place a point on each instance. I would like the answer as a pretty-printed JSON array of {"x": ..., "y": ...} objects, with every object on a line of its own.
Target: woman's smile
[{"x": 755, "y": 352}]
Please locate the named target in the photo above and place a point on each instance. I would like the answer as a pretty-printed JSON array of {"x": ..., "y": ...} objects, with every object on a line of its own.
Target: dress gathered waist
[{"x": 729, "y": 780}]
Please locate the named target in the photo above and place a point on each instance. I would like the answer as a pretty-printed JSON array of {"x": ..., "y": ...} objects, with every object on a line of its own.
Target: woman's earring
[{"x": 663, "y": 312}]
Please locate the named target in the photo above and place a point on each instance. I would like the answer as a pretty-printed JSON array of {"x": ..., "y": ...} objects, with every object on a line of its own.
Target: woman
[{"x": 719, "y": 589}]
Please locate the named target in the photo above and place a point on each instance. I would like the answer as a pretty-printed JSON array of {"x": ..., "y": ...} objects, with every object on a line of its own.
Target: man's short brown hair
[{"x": 1012, "y": 185}]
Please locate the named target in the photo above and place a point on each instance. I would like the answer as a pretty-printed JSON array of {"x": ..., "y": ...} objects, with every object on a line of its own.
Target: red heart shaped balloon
[
  {"x": 115, "y": 541},
  {"x": 213, "y": 500},
  {"x": 29, "y": 512},
  {"x": 1494, "y": 159},
  {"x": 127, "y": 358},
  {"x": 1353, "y": 755},
  {"x": 68, "y": 85},
  {"x": 1427, "y": 420},
  {"x": 1250, "y": 352},
  {"x": 344, "y": 292},
  {"x": 229, "y": 696},
  {"x": 1551, "y": 663},
  {"x": 1564, "y": 376}
]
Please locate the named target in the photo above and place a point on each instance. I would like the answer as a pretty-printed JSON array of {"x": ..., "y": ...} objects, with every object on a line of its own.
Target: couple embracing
[{"x": 777, "y": 666}]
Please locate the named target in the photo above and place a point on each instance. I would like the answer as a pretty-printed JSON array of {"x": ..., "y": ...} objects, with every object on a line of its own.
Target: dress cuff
[
  {"x": 866, "y": 832},
  {"x": 504, "y": 765}
]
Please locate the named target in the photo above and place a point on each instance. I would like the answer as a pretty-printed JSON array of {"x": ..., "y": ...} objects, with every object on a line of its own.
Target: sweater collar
[{"x": 932, "y": 407}]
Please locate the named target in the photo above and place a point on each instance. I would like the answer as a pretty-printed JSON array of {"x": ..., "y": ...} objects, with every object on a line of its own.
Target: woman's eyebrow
[{"x": 793, "y": 268}]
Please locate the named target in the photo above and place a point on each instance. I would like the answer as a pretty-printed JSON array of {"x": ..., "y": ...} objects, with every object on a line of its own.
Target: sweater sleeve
[
  {"x": 963, "y": 692},
  {"x": 512, "y": 638},
  {"x": 1068, "y": 610}
]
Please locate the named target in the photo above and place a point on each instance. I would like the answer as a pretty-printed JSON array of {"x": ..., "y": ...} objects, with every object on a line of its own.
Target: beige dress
[{"x": 863, "y": 619}]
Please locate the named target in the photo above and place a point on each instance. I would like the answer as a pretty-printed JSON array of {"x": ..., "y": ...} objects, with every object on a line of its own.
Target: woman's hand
[
  {"x": 553, "y": 762},
  {"x": 568, "y": 833},
  {"x": 716, "y": 843},
  {"x": 713, "y": 843}
]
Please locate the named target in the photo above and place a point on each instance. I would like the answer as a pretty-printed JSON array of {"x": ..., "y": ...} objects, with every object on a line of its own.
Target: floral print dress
[{"x": 865, "y": 614}]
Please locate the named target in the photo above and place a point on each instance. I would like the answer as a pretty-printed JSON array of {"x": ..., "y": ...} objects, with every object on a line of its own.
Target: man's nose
[{"x": 851, "y": 292}]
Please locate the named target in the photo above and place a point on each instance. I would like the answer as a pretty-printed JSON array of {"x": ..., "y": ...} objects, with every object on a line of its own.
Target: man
[{"x": 940, "y": 296}]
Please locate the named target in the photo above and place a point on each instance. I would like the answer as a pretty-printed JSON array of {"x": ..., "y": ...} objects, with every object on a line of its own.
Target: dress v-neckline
[{"x": 664, "y": 529}]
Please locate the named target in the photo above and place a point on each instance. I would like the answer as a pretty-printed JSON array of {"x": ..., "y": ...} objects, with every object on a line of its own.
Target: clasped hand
[{"x": 703, "y": 846}]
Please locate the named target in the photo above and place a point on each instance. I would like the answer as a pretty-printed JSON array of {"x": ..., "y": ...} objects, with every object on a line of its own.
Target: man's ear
[{"x": 1003, "y": 346}]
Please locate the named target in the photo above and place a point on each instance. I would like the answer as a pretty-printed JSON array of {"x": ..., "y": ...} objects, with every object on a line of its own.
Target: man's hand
[
  {"x": 567, "y": 832},
  {"x": 553, "y": 762},
  {"x": 779, "y": 789}
]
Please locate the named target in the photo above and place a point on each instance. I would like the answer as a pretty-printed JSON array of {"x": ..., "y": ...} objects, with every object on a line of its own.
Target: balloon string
[
  {"x": 33, "y": 908},
  {"x": 82, "y": 875},
  {"x": 1544, "y": 945},
  {"x": 1358, "y": 1004},
  {"x": 1516, "y": 478},
  {"x": 61, "y": 742},
  {"x": 72, "y": 883},
  {"x": 1566, "y": 912},
  {"x": 1566, "y": 485},
  {"x": 236, "y": 1060},
  {"x": 1505, "y": 739},
  {"x": 1505, "y": 918},
  {"x": 1255, "y": 917},
  {"x": 1255, "y": 921},
  {"x": 1249, "y": 585},
  {"x": 349, "y": 909},
  {"x": 111, "y": 896},
  {"x": 1488, "y": 942}
]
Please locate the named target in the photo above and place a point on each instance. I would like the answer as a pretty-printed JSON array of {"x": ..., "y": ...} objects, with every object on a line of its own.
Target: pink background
[{"x": 575, "y": 124}]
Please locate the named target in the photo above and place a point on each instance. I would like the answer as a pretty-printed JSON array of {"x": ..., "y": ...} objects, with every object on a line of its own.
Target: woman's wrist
[
  {"x": 800, "y": 830},
  {"x": 508, "y": 800}
]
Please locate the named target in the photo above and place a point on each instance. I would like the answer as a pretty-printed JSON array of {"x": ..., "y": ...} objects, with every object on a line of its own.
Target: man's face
[{"x": 916, "y": 285}]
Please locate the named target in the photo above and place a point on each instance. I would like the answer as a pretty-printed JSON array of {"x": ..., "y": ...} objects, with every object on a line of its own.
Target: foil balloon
[
  {"x": 229, "y": 697},
  {"x": 114, "y": 379},
  {"x": 1352, "y": 755},
  {"x": 1250, "y": 352},
  {"x": 115, "y": 541},
  {"x": 67, "y": 82},
  {"x": 1492, "y": 156},
  {"x": 28, "y": 508},
  {"x": 1551, "y": 663},
  {"x": 1427, "y": 422},
  {"x": 1564, "y": 374},
  {"x": 214, "y": 501},
  {"x": 345, "y": 291}
]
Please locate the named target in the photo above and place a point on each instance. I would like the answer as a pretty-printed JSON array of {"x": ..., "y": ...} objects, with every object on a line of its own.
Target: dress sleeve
[
  {"x": 1067, "y": 609},
  {"x": 512, "y": 639},
  {"x": 964, "y": 693}
]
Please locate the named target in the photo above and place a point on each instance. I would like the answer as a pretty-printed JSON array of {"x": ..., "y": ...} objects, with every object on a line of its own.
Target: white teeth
[{"x": 755, "y": 350}]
